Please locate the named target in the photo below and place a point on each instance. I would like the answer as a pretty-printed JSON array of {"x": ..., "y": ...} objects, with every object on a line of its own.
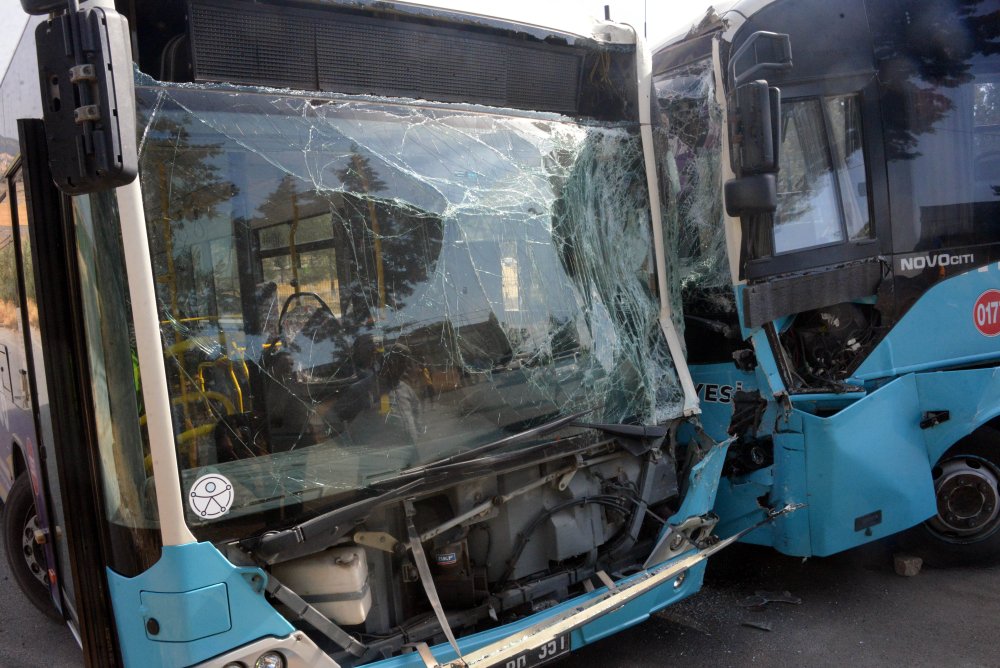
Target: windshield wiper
[
  {"x": 322, "y": 531},
  {"x": 519, "y": 437}
]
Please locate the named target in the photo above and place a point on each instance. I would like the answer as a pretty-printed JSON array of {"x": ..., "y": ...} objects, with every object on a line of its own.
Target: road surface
[{"x": 854, "y": 611}]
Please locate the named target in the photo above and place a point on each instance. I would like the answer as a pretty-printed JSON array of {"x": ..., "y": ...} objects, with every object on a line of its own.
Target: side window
[{"x": 822, "y": 187}]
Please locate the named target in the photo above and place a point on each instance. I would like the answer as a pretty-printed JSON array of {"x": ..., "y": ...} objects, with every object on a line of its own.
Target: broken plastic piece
[{"x": 762, "y": 598}]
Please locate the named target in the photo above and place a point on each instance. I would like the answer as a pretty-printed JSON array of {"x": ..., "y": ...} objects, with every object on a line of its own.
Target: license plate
[{"x": 553, "y": 649}]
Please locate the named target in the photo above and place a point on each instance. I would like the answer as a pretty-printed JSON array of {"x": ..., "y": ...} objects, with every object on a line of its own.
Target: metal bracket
[
  {"x": 427, "y": 580},
  {"x": 378, "y": 540},
  {"x": 694, "y": 532},
  {"x": 80, "y": 73},
  {"x": 607, "y": 581},
  {"x": 301, "y": 609}
]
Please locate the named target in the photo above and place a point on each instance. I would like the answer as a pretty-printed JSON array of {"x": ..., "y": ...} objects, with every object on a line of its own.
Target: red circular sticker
[{"x": 986, "y": 313}]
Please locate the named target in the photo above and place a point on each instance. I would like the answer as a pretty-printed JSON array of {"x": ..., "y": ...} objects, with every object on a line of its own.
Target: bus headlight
[{"x": 270, "y": 660}]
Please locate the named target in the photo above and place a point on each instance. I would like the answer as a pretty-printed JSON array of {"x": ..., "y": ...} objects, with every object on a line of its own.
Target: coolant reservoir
[{"x": 335, "y": 582}]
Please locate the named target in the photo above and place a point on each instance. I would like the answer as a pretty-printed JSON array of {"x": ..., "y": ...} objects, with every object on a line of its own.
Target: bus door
[
  {"x": 28, "y": 520},
  {"x": 74, "y": 537}
]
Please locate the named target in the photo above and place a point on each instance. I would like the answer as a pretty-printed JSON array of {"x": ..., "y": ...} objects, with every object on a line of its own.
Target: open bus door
[{"x": 75, "y": 536}]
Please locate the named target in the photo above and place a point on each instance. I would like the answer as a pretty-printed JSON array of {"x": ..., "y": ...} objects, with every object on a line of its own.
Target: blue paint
[
  {"x": 188, "y": 615},
  {"x": 938, "y": 331},
  {"x": 703, "y": 484},
  {"x": 869, "y": 457},
  {"x": 184, "y": 587},
  {"x": 716, "y": 415},
  {"x": 971, "y": 397}
]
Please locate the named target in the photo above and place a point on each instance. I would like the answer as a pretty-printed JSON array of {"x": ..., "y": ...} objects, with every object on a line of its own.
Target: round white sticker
[{"x": 211, "y": 496}]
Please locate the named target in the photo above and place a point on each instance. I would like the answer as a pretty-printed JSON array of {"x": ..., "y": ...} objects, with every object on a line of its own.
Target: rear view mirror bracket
[{"x": 88, "y": 101}]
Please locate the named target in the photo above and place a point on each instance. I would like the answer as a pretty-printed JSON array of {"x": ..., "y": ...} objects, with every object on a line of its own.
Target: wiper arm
[
  {"x": 526, "y": 435},
  {"x": 322, "y": 531}
]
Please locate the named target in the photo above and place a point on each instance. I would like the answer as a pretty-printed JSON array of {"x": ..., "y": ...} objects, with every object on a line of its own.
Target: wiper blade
[
  {"x": 526, "y": 435},
  {"x": 638, "y": 439},
  {"x": 323, "y": 531}
]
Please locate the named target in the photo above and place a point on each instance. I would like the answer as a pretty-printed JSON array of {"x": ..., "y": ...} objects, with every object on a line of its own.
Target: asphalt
[{"x": 854, "y": 611}]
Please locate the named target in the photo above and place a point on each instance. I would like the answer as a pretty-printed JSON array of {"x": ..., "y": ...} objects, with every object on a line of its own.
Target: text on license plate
[{"x": 536, "y": 657}]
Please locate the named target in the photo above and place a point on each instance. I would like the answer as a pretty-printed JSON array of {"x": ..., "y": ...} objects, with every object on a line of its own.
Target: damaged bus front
[
  {"x": 840, "y": 302},
  {"x": 411, "y": 389}
]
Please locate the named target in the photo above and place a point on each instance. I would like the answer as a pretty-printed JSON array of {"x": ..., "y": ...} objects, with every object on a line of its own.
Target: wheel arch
[
  {"x": 19, "y": 461},
  {"x": 985, "y": 431}
]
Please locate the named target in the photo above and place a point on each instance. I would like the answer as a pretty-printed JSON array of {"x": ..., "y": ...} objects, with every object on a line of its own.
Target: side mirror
[
  {"x": 88, "y": 99},
  {"x": 755, "y": 128},
  {"x": 755, "y": 138},
  {"x": 749, "y": 195}
]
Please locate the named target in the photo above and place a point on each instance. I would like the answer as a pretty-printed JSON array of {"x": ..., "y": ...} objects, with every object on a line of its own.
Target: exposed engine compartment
[
  {"x": 500, "y": 544},
  {"x": 826, "y": 344}
]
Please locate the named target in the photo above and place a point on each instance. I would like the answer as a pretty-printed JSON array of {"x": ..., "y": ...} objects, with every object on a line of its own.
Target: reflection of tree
[
  {"x": 935, "y": 48},
  {"x": 181, "y": 183},
  {"x": 393, "y": 247}
]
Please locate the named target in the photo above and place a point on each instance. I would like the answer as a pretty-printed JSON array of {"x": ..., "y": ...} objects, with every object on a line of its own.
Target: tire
[
  {"x": 25, "y": 557},
  {"x": 966, "y": 529}
]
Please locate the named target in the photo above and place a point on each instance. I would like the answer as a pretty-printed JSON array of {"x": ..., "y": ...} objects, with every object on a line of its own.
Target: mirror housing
[
  {"x": 754, "y": 194},
  {"x": 755, "y": 128},
  {"x": 88, "y": 99},
  {"x": 762, "y": 50}
]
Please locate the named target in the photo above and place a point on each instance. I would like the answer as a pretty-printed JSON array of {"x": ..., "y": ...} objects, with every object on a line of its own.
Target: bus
[
  {"x": 832, "y": 171},
  {"x": 338, "y": 334}
]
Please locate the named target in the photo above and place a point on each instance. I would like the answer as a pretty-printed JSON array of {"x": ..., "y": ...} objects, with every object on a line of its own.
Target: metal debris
[{"x": 761, "y": 598}]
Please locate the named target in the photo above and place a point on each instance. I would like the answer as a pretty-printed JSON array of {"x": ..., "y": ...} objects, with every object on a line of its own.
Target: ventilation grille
[{"x": 327, "y": 51}]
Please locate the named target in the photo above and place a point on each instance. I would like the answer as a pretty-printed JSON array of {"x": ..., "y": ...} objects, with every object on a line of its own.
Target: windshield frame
[{"x": 266, "y": 518}]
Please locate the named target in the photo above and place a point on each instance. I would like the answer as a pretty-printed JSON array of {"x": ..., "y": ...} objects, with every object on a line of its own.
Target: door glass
[
  {"x": 807, "y": 213},
  {"x": 822, "y": 188}
]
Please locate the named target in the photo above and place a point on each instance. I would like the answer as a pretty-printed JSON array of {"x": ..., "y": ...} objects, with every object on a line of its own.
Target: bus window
[{"x": 822, "y": 196}]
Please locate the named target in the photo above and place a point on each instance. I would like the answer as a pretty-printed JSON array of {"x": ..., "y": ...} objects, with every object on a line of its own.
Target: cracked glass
[
  {"x": 349, "y": 287},
  {"x": 689, "y": 144}
]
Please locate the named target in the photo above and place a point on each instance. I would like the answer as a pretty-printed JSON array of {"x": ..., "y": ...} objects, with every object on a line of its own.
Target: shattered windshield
[
  {"x": 689, "y": 142},
  {"x": 350, "y": 287}
]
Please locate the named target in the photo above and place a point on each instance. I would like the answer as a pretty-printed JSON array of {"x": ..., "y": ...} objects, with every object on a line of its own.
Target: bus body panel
[
  {"x": 950, "y": 325},
  {"x": 887, "y": 160},
  {"x": 200, "y": 605},
  {"x": 192, "y": 622}
]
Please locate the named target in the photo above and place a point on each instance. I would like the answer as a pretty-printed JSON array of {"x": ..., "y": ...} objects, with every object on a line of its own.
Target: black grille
[{"x": 330, "y": 51}]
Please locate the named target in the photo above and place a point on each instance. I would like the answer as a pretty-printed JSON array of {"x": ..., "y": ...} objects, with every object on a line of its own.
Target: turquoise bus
[{"x": 340, "y": 333}]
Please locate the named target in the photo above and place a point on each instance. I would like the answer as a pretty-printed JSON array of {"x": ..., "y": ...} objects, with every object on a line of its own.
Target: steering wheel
[{"x": 298, "y": 296}]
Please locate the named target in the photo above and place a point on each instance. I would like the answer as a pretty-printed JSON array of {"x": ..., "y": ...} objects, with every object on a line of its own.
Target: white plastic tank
[{"x": 335, "y": 582}]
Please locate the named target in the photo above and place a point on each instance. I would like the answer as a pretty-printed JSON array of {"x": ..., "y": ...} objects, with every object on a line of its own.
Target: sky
[{"x": 662, "y": 18}]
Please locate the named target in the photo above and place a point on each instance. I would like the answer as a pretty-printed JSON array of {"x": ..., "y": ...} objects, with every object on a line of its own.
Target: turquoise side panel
[
  {"x": 938, "y": 331},
  {"x": 194, "y": 614},
  {"x": 868, "y": 458},
  {"x": 192, "y": 592},
  {"x": 972, "y": 398}
]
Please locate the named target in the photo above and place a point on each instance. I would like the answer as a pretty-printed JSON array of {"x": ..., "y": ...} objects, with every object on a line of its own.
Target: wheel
[
  {"x": 966, "y": 529},
  {"x": 26, "y": 557}
]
